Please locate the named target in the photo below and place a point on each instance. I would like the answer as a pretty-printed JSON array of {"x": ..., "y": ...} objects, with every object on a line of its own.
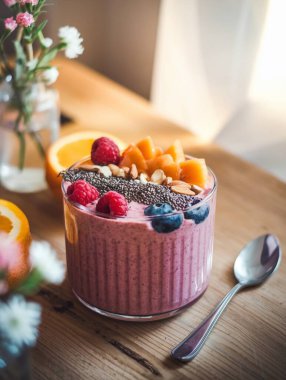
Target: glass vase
[{"x": 23, "y": 144}]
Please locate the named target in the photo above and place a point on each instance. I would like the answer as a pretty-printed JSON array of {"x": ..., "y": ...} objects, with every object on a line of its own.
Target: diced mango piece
[
  {"x": 158, "y": 151},
  {"x": 133, "y": 155},
  {"x": 159, "y": 162},
  {"x": 194, "y": 171},
  {"x": 172, "y": 170},
  {"x": 176, "y": 151},
  {"x": 147, "y": 148}
]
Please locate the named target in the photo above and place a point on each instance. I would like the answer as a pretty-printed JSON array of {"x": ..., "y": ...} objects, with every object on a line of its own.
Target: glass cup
[{"x": 122, "y": 268}]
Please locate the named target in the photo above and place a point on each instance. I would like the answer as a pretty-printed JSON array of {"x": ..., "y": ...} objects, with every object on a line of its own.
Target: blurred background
[{"x": 218, "y": 68}]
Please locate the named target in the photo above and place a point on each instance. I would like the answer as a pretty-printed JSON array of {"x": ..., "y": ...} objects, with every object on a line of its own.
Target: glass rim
[{"x": 80, "y": 207}]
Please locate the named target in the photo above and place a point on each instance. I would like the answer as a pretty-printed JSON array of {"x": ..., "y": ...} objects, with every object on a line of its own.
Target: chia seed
[{"x": 131, "y": 189}]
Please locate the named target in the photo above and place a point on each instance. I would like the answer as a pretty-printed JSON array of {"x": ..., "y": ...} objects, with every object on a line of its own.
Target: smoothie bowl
[{"x": 139, "y": 243}]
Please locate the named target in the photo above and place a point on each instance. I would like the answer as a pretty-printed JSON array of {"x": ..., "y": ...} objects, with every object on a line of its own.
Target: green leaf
[
  {"x": 20, "y": 60},
  {"x": 30, "y": 284},
  {"x": 39, "y": 29},
  {"x": 50, "y": 55}
]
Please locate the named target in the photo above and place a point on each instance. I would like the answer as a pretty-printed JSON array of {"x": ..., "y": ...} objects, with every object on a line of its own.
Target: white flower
[
  {"x": 50, "y": 75},
  {"x": 43, "y": 258},
  {"x": 19, "y": 321},
  {"x": 32, "y": 64},
  {"x": 71, "y": 37},
  {"x": 47, "y": 42}
]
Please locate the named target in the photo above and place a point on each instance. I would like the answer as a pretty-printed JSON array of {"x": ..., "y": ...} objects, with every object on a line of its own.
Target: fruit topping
[
  {"x": 159, "y": 163},
  {"x": 172, "y": 170},
  {"x": 158, "y": 151},
  {"x": 176, "y": 151},
  {"x": 149, "y": 159},
  {"x": 162, "y": 222},
  {"x": 198, "y": 215},
  {"x": 133, "y": 155},
  {"x": 112, "y": 203},
  {"x": 104, "y": 151},
  {"x": 195, "y": 171},
  {"x": 82, "y": 192},
  {"x": 147, "y": 148},
  {"x": 158, "y": 209}
]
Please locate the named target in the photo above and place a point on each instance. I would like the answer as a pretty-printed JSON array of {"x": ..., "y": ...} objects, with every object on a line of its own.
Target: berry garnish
[
  {"x": 112, "y": 203},
  {"x": 82, "y": 192},
  {"x": 104, "y": 151},
  {"x": 158, "y": 209},
  {"x": 163, "y": 223},
  {"x": 198, "y": 215}
]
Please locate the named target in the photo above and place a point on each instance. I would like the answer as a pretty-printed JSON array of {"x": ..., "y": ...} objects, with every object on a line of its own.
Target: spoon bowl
[{"x": 257, "y": 260}]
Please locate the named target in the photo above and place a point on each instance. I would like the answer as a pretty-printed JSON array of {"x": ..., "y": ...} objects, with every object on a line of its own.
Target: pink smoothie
[{"x": 123, "y": 266}]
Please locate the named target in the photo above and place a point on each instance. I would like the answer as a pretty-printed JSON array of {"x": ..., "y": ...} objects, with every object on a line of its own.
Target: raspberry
[
  {"x": 112, "y": 203},
  {"x": 104, "y": 151},
  {"x": 82, "y": 192}
]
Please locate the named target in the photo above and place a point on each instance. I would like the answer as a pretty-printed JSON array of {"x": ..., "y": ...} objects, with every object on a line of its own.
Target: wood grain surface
[{"x": 249, "y": 341}]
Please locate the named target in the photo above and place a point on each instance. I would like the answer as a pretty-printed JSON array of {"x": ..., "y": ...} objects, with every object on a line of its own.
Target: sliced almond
[
  {"x": 158, "y": 176},
  {"x": 90, "y": 168},
  {"x": 133, "y": 171},
  {"x": 105, "y": 170},
  {"x": 180, "y": 183},
  {"x": 143, "y": 177},
  {"x": 121, "y": 173},
  {"x": 197, "y": 189},
  {"x": 167, "y": 181},
  {"x": 114, "y": 169},
  {"x": 126, "y": 170},
  {"x": 182, "y": 190}
]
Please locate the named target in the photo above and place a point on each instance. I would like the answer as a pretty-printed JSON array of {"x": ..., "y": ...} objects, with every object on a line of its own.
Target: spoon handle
[{"x": 192, "y": 344}]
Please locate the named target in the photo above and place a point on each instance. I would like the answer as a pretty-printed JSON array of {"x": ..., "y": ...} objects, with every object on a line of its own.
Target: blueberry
[
  {"x": 198, "y": 215},
  {"x": 163, "y": 223},
  {"x": 167, "y": 223},
  {"x": 158, "y": 209}
]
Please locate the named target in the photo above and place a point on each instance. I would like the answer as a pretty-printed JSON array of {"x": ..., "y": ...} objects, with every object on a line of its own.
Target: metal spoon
[{"x": 255, "y": 263}]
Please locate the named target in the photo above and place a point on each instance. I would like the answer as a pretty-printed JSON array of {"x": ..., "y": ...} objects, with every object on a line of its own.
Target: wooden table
[{"x": 249, "y": 341}]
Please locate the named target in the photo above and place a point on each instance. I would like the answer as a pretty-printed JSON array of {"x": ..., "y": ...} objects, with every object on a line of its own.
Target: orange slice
[
  {"x": 14, "y": 222},
  {"x": 69, "y": 149}
]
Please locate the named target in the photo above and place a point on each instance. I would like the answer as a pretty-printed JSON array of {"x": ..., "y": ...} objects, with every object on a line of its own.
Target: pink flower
[
  {"x": 23, "y": 2},
  {"x": 10, "y": 24},
  {"x": 10, "y": 3},
  {"x": 9, "y": 252},
  {"x": 24, "y": 19}
]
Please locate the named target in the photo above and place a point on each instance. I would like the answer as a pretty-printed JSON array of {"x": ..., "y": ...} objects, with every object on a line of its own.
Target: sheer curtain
[
  {"x": 220, "y": 71},
  {"x": 205, "y": 55}
]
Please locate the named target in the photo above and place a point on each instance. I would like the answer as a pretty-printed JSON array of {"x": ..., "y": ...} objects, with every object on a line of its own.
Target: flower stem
[
  {"x": 20, "y": 34},
  {"x": 22, "y": 143},
  {"x": 22, "y": 150},
  {"x": 30, "y": 51},
  {"x": 34, "y": 135}
]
